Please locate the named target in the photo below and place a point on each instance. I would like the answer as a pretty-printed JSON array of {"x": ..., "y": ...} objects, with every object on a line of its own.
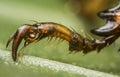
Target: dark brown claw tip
[
  {"x": 17, "y": 38},
  {"x": 108, "y": 29},
  {"x": 9, "y": 40}
]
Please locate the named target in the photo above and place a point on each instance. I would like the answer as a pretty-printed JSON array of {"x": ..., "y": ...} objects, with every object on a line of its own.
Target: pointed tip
[
  {"x": 7, "y": 43},
  {"x": 10, "y": 39},
  {"x": 14, "y": 57}
]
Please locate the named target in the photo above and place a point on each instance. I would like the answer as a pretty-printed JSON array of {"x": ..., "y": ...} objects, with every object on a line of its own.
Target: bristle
[
  {"x": 61, "y": 40},
  {"x": 55, "y": 38},
  {"x": 50, "y": 38}
]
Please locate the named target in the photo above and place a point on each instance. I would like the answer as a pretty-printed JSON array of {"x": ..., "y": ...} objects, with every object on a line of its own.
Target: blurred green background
[{"x": 14, "y": 13}]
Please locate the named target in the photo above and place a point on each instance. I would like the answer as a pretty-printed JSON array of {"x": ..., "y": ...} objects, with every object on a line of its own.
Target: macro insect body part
[
  {"x": 112, "y": 26},
  {"x": 36, "y": 32}
]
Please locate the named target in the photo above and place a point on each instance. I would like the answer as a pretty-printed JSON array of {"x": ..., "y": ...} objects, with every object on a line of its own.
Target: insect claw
[
  {"x": 31, "y": 33},
  {"x": 17, "y": 37},
  {"x": 108, "y": 29},
  {"x": 10, "y": 39}
]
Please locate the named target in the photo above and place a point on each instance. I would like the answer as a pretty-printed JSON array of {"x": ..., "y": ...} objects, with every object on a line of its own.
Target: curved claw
[
  {"x": 112, "y": 16},
  {"x": 10, "y": 39},
  {"x": 109, "y": 14},
  {"x": 17, "y": 38},
  {"x": 110, "y": 28}
]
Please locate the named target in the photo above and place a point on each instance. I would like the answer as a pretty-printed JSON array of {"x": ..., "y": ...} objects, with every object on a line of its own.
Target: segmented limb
[{"x": 36, "y": 32}]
